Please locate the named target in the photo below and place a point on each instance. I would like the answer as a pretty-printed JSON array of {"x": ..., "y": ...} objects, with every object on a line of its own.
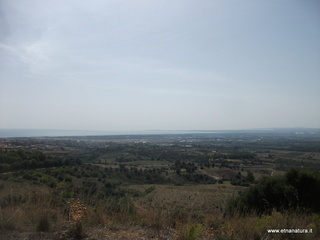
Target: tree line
[{"x": 15, "y": 160}]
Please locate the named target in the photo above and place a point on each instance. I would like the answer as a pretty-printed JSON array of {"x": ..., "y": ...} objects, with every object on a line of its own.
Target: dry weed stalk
[{"x": 77, "y": 210}]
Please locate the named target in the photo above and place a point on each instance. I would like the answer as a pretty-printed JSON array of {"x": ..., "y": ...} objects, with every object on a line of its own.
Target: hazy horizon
[
  {"x": 17, "y": 133},
  {"x": 166, "y": 65}
]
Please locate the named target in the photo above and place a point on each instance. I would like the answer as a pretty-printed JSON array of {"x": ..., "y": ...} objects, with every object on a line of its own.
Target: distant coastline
[
  {"x": 21, "y": 133},
  {"x": 17, "y": 133}
]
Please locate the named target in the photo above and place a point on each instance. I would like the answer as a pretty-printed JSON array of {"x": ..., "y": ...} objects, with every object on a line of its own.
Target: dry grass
[
  {"x": 25, "y": 207},
  {"x": 190, "y": 198},
  {"x": 166, "y": 212}
]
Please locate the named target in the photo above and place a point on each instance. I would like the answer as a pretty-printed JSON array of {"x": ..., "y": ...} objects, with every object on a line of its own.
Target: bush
[
  {"x": 298, "y": 190},
  {"x": 192, "y": 232}
]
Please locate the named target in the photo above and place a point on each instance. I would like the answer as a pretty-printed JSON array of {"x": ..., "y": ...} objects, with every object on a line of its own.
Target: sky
[{"x": 116, "y": 65}]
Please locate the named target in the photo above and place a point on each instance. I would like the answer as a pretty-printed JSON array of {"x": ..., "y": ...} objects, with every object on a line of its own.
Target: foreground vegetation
[
  {"x": 164, "y": 189},
  {"x": 38, "y": 212},
  {"x": 298, "y": 191}
]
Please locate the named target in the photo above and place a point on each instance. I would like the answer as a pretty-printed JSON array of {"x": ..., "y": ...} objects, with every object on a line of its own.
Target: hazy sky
[{"x": 165, "y": 64}]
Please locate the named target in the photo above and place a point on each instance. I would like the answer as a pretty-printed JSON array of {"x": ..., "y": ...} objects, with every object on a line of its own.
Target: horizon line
[{"x": 29, "y": 132}]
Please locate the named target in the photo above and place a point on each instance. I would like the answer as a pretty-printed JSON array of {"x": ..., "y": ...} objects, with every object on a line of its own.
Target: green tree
[{"x": 250, "y": 177}]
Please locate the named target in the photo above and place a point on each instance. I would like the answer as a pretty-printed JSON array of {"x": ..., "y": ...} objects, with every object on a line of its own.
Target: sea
[{"x": 20, "y": 133}]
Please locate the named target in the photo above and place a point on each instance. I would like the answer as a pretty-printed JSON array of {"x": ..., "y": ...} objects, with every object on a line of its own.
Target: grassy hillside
[{"x": 80, "y": 208}]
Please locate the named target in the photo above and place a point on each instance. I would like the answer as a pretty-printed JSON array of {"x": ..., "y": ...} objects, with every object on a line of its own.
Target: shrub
[
  {"x": 126, "y": 206},
  {"x": 298, "y": 190},
  {"x": 192, "y": 232}
]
